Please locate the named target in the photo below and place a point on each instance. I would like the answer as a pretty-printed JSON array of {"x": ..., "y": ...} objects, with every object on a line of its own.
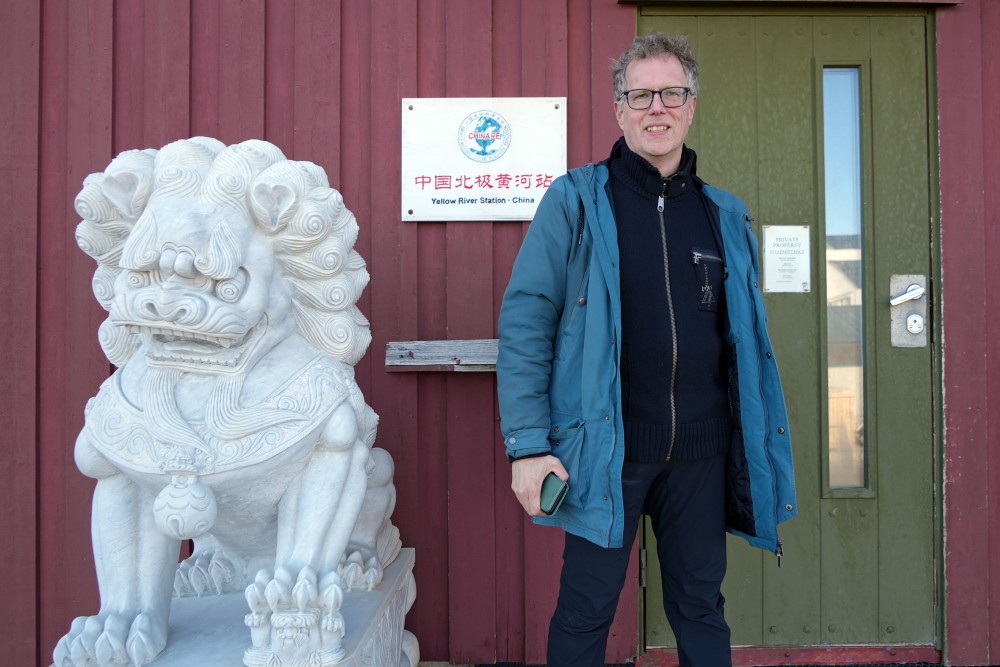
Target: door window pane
[{"x": 844, "y": 261}]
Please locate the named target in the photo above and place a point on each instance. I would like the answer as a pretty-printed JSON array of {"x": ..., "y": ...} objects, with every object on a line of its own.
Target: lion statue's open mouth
[{"x": 171, "y": 346}]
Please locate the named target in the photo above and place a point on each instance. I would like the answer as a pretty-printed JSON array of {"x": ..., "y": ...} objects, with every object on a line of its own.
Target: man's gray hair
[{"x": 649, "y": 46}]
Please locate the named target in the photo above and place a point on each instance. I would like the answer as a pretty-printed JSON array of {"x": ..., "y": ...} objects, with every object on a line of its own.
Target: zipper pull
[
  {"x": 779, "y": 553},
  {"x": 696, "y": 255},
  {"x": 659, "y": 203}
]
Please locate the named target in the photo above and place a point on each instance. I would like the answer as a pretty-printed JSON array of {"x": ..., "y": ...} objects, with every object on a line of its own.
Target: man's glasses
[{"x": 641, "y": 99}]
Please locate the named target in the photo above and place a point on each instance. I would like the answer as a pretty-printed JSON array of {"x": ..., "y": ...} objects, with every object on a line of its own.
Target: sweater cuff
[
  {"x": 527, "y": 442},
  {"x": 511, "y": 459}
]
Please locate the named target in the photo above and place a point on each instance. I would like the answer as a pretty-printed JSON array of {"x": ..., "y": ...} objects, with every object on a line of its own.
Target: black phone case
[{"x": 553, "y": 492}]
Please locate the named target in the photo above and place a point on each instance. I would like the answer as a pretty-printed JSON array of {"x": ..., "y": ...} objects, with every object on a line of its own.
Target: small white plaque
[
  {"x": 786, "y": 258},
  {"x": 483, "y": 158}
]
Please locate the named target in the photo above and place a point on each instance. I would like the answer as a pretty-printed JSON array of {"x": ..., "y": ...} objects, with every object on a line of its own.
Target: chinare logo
[{"x": 484, "y": 136}]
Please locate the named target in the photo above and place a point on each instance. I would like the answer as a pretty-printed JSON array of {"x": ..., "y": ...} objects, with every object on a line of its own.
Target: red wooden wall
[
  {"x": 19, "y": 122},
  {"x": 85, "y": 79},
  {"x": 969, "y": 104}
]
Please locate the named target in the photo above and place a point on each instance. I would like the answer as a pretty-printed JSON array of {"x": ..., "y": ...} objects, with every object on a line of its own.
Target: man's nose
[{"x": 658, "y": 106}]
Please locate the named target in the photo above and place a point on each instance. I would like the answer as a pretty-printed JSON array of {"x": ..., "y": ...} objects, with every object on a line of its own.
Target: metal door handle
[
  {"x": 912, "y": 292},
  {"x": 907, "y": 323}
]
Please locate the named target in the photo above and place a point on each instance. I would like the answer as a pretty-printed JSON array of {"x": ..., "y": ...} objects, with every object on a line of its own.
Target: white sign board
[
  {"x": 786, "y": 258},
  {"x": 488, "y": 158}
]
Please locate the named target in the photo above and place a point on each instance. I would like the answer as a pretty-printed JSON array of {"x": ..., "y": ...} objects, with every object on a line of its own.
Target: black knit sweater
[{"x": 674, "y": 380}]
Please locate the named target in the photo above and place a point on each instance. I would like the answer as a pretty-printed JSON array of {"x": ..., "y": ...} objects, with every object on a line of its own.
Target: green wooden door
[{"x": 774, "y": 116}]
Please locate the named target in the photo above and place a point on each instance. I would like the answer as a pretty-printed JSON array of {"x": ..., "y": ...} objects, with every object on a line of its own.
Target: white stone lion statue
[{"x": 234, "y": 419}]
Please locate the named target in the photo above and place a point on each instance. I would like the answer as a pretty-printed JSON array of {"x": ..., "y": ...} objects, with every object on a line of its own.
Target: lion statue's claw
[
  {"x": 212, "y": 572},
  {"x": 360, "y": 573},
  {"x": 111, "y": 639},
  {"x": 146, "y": 638},
  {"x": 295, "y": 618},
  {"x": 110, "y": 646},
  {"x": 62, "y": 655}
]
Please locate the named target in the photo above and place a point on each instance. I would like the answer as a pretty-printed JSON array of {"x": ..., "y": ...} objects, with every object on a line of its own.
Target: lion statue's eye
[
  {"x": 138, "y": 279},
  {"x": 231, "y": 289}
]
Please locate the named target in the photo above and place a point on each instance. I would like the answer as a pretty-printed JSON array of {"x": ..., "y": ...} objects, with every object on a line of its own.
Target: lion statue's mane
[{"x": 312, "y": 232}]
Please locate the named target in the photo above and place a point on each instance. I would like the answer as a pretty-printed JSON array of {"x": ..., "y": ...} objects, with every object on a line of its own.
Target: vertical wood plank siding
[
  {"x": 468, "y": 255},
  {"x": 322, "y": 80},
  {"x": 20, "y": 80},
  {"x": 968, "y": 70},
  {"x": 75, "y": 134},
  {"x": 991, "y": 168}
]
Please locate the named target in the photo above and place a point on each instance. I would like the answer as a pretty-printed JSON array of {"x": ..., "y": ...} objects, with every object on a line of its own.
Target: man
[{"x": 635, "y": 364}]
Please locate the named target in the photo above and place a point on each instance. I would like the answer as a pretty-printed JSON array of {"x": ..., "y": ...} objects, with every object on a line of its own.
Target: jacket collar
[{"x": 636, "y": 172}]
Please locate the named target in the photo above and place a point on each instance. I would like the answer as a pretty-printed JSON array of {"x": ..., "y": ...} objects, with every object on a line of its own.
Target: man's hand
[{"x": 527, "y": 476}]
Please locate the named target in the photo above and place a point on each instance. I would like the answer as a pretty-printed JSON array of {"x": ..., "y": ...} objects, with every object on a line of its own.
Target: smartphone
[{"x": 553, "y": 492}]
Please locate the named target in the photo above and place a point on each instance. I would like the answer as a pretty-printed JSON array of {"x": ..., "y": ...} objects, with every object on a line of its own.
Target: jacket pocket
[
  {"x": 709, "y": 274},
  {"x": 568, "y": 439}
]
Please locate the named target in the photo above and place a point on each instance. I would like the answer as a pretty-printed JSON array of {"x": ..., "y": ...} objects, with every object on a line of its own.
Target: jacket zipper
[
  {"x": 697, "y": 256},
  {"x": 614, "y": 444},
  {"x": 673, "y": 324}
]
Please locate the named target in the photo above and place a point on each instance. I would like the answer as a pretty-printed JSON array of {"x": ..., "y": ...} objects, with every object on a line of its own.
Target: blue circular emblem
[{"x": 484, "y": 136}]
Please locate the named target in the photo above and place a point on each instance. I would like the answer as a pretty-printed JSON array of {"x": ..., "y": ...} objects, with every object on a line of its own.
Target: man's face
[{"x": 656, "y": 133}]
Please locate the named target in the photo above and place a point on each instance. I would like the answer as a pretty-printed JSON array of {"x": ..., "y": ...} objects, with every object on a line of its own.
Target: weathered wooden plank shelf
[{"x": 455, "y": 356}]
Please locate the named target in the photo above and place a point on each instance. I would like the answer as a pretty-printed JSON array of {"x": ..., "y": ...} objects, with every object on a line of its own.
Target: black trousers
[{"x": 685, "y": 501}]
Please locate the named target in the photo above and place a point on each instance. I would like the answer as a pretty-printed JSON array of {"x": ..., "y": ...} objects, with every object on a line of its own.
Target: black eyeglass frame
[{"x": 625, "y": 93}]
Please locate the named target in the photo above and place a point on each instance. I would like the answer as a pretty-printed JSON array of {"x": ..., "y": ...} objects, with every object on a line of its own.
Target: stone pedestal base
[{"x": 210, "y": 632}]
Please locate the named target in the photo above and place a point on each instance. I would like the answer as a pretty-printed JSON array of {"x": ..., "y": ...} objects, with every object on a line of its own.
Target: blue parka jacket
[{"x": 558, "y": 369}]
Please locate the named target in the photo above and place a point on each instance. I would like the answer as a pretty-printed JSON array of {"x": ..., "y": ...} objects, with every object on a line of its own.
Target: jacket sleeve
[{"x": 529, "y": 320}]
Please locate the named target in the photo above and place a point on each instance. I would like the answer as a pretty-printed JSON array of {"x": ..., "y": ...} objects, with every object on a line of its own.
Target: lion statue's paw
[
  {"x": 295, "y": 618},
  {"x": 106, "y": 639},
  {"x": 214, "y": 572},
  {"x": 359, "y": 572}
]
